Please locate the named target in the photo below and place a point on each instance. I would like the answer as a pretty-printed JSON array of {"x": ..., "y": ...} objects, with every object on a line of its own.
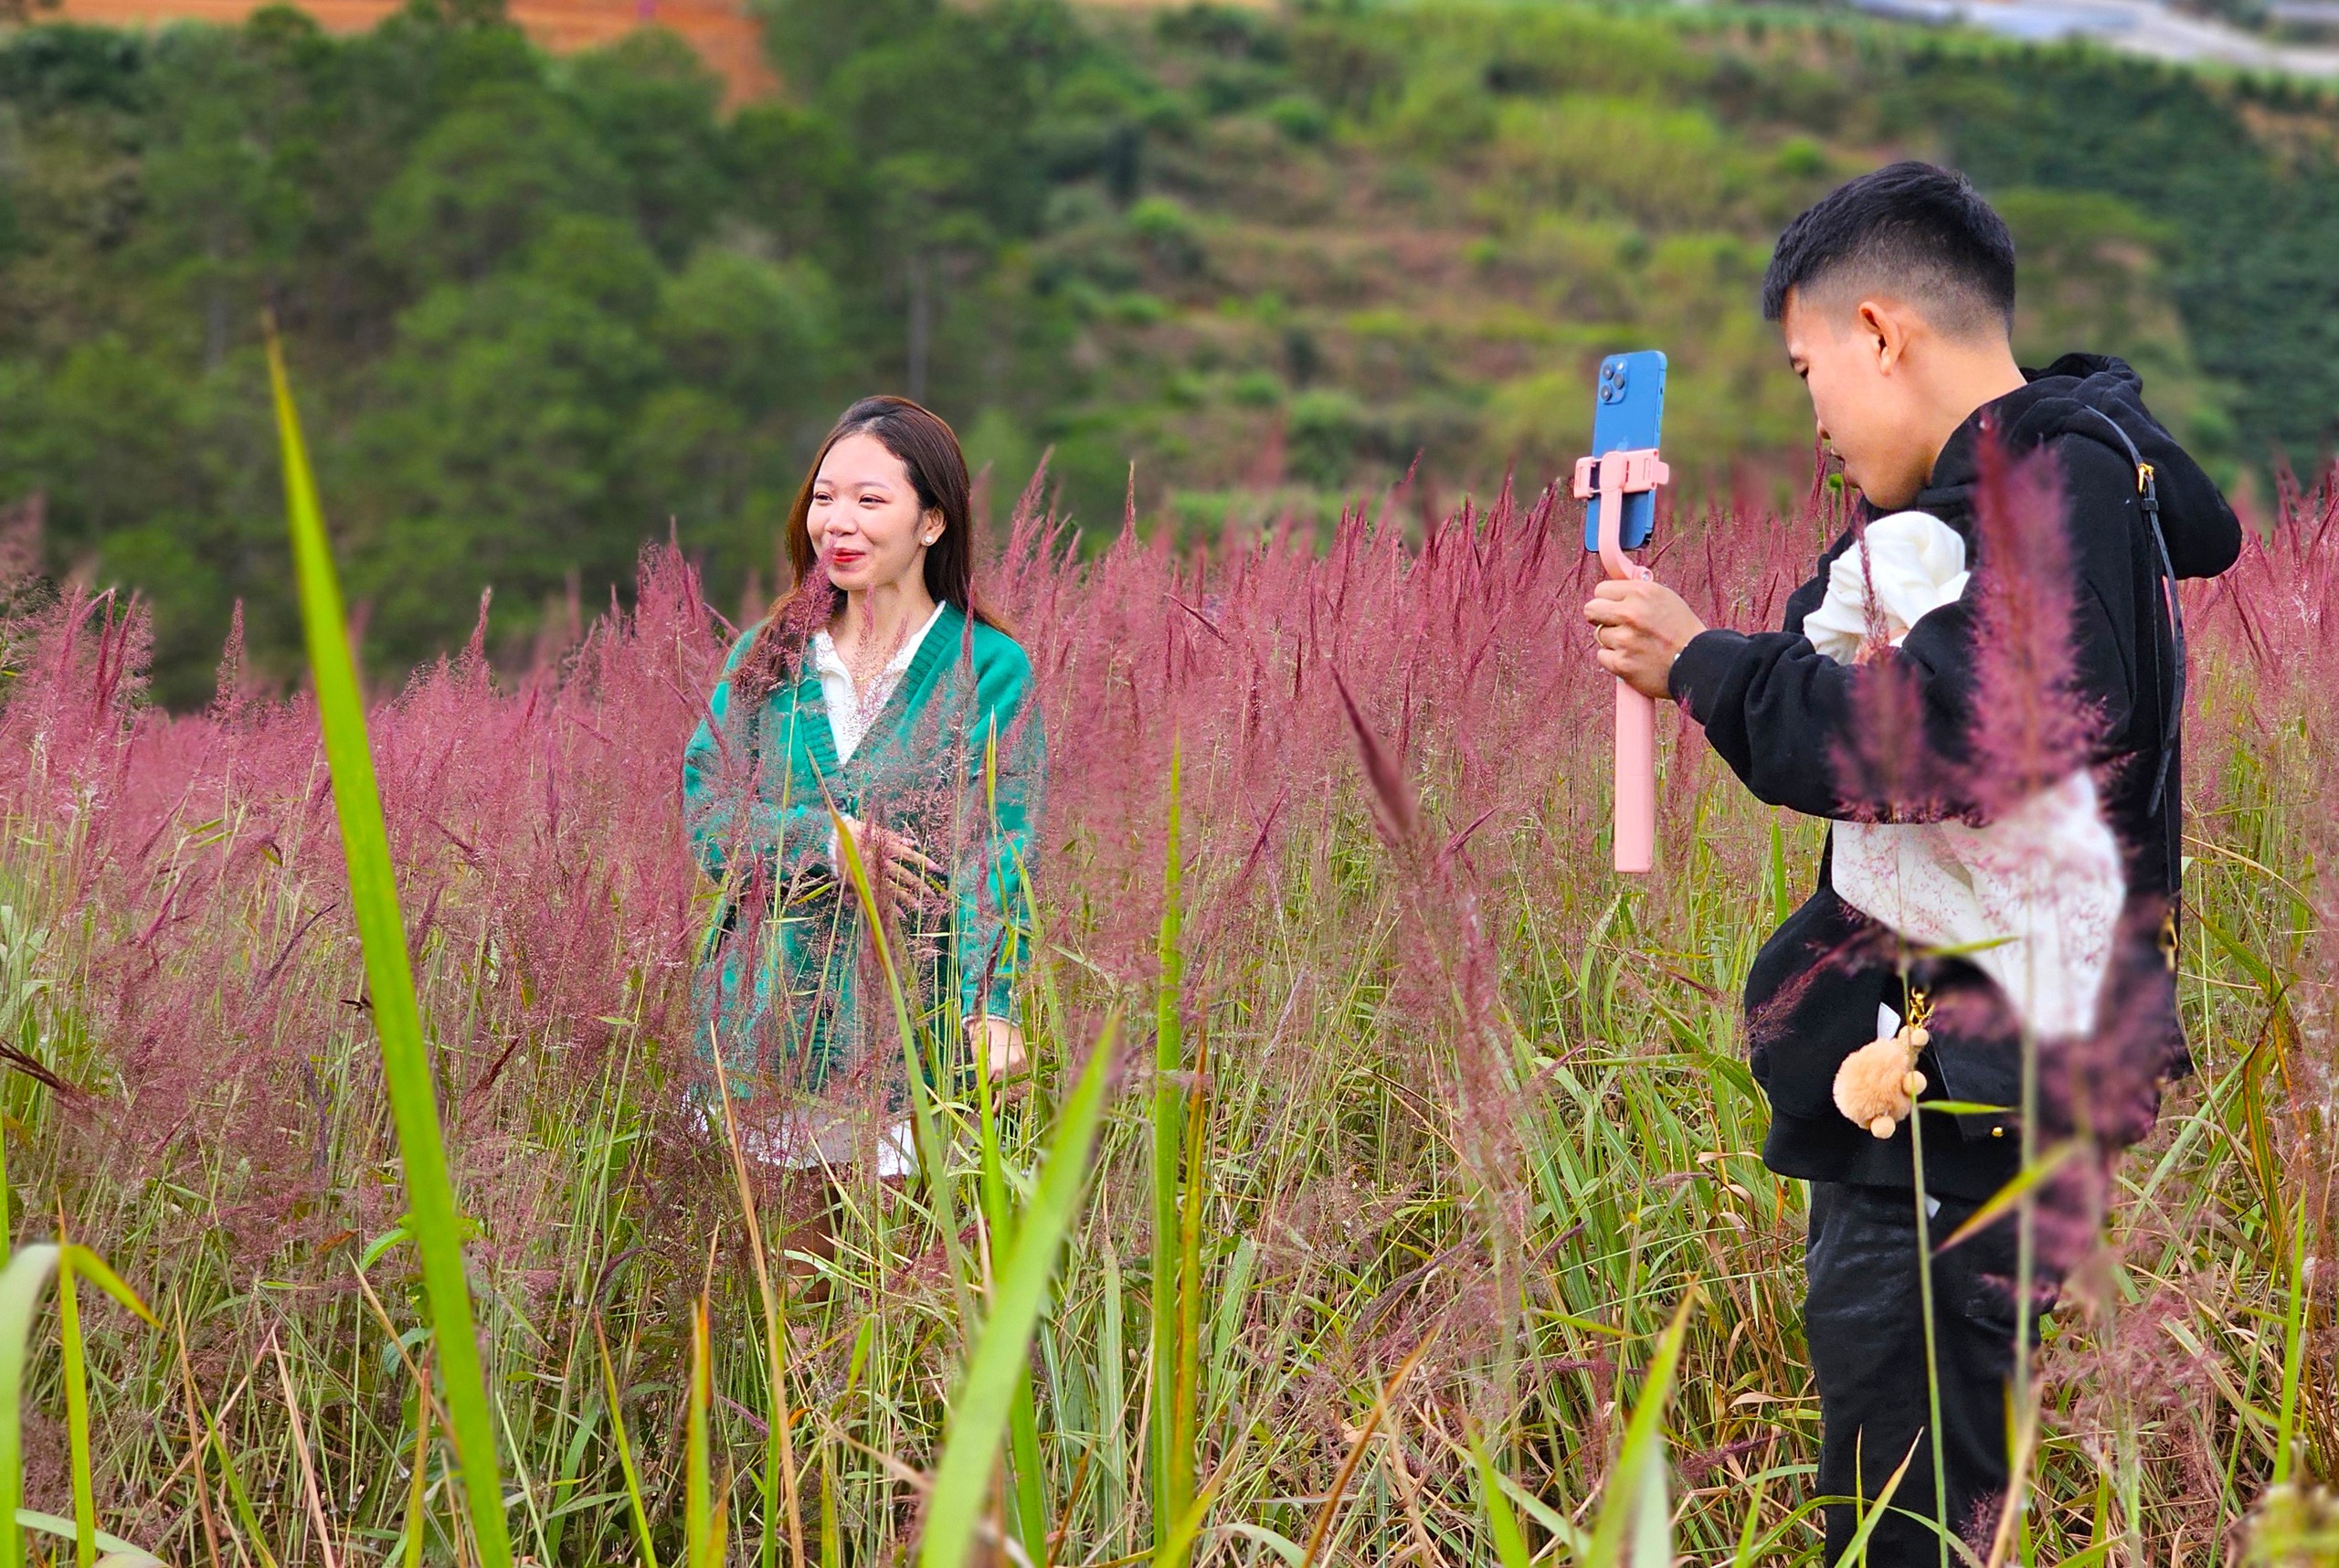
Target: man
[{"x": 1895, "y": 295}]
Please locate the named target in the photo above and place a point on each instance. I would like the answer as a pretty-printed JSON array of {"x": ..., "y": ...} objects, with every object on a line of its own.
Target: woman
[{"x": 882, "y": 687}]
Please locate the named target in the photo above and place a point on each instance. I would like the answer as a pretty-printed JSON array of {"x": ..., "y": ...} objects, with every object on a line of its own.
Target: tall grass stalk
[
  {"x": 1026, "y": 1498},
  {"x": 1933, "y": 1346},
  {"x": 1627, "y": 1513},
  {"x": 21, "y": 1286},
  {"x": 1000, "y": 1359},
  {"x": 932, "y": 1153},
  {"x": 2294, "y": 1307},
  {"x": 436, "y": 1221},
  {"x": 705, "y": 1516},
  {"x": 77, "y": 1407},
  {"x": 1173, "y": 1288},
  {"x": 1501, "y": 1519},
  {"x": 638, "y": 1511},
  {"x": 780, "y": 1493}
]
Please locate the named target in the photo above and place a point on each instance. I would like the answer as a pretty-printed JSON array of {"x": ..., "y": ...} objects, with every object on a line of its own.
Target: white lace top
[{"x": 851, "y": 710}]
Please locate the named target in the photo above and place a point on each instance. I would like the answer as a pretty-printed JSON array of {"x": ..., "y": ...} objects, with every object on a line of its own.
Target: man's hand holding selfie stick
[{"x": 1641, "y": 626}]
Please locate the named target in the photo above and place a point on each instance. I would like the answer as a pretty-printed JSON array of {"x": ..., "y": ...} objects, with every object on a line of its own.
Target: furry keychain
[{"x": 1878, "y": 1084}]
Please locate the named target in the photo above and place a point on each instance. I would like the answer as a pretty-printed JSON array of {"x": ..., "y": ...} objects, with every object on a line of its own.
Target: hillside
[
  {"x": 1412, "y": 230},
  {"x": 546, "y": 308}
]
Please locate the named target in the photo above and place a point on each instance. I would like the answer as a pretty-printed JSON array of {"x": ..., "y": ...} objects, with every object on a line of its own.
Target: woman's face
[{"x": 864, "y": 518}]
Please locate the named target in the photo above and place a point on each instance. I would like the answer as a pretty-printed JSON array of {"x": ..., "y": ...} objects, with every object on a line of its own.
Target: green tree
[
  {"x": 490, "y": 459},
  {"x": 651, "y": 106},
  {"x": 488, "y": 179}
]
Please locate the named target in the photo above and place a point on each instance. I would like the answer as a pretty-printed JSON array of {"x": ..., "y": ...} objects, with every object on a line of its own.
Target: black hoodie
[{"x": 1778, "y": 712}]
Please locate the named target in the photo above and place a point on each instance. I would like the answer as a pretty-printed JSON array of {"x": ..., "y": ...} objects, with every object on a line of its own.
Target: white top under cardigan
[
  {"x": 814, "y": 1136},
  {"x": 851, "y": 710}
]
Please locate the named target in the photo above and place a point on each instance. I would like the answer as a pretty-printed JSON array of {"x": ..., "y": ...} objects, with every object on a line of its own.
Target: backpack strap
[{"x": 2104, "y": 428}]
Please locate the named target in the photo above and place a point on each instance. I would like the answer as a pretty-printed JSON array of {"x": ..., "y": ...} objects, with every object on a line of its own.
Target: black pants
[{"x": 1863, "y": 1317}]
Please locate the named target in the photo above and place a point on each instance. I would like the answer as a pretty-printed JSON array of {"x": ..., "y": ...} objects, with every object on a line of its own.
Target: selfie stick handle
[{"x": 1619, "y": 473}]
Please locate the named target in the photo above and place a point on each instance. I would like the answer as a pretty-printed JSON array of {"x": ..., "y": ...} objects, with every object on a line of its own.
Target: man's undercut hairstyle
[{"x": 1908, "y": 231}]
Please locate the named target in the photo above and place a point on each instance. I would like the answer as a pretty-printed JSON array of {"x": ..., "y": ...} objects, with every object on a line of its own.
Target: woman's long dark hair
[{"x": 929, "y": 449}]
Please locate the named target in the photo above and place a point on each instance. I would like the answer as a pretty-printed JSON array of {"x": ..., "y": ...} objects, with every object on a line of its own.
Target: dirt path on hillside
[
  {"x": 723, "y": 31},
  {"x": 726, "y": 35}
]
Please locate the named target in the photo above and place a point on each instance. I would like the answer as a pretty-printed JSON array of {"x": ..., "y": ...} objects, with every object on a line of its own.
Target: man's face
[{"x": 1850, "y": 357}]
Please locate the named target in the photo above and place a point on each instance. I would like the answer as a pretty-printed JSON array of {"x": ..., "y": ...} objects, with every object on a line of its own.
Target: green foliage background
[{"x": 548, "y": 308}]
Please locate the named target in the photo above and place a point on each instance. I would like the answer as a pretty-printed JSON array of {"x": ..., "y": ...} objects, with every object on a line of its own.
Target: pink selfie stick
[{"x": 1611, "y": 477}]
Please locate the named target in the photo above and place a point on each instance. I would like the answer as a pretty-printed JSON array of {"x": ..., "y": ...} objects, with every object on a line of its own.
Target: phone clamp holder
[{"x": 1611, "y": 477}]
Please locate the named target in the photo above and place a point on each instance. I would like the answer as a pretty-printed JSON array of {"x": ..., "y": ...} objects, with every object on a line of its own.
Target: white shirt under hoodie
[{"x": 2032, "y": 898}]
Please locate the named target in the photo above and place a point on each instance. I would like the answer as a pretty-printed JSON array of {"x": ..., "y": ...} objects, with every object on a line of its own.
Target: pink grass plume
[{"x": 1620, "y": 472}]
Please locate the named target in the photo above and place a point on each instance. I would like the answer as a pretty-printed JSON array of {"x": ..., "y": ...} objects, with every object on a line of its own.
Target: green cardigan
[{"x": 789, "y": 981}]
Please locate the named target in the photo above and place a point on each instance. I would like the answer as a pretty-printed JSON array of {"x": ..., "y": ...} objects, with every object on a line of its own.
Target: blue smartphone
[{"x": 1626, "y": 417}]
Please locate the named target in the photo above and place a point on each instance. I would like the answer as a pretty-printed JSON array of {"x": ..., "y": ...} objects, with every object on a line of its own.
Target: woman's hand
[
  {"x": 895, "y": 856},
  {"x": 1000, "y": 1044}
]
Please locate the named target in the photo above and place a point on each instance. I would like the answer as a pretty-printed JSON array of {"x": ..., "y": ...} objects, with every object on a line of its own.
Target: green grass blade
[
  {"x": 831, "y": 1538},
  {"x": 1184, "y": 1421},
  {"x": 21, "y": 1284},
  {"x": 1874, "y": 1513},
  {"x": 980, "y": 1413},
  {"x": 1573, "y": 1543},
  {"x": 778, "y": 1480},
  {"x": 88, "y": 1265},
  {"x": 1028, "y": 1496},
  {"x": 1502, "y": 1523},
  {"x": 77, "y": 1412},
  {"x": 2010, "y": 1196},
  {"x": 398, "y": 1021},
  {"x": 237, "y": 1496},
  {"x": 75, "y": 1262},
  {"x": 698, "y": 1510},
  {"x": 930, "y": 1153},
  {"x": 702, "y": 1531},
  {"x": 1173, "y": 1472},
  {"x": 625, "y": 1450},
  {"x": 1652, "y": 1520},
  {"x": 2293, "y": 1344},
  {"x": 113, "y": 1546},
  {"x": 417, "y": 1515},
  {"x": 1744, "y": 1556},
  {"x": 1626, "y": 1507},
  {"x": 1181, "y": 1534}
]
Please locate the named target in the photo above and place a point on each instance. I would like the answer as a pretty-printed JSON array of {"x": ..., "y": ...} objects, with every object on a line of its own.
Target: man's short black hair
[{"x": 1923, "y": 233}]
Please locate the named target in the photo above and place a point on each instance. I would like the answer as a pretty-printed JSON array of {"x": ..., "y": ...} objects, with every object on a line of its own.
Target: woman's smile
[{"x": 863, "y": 518}]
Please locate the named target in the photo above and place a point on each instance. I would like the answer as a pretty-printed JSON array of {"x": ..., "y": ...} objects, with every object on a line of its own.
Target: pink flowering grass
[
  {"x": 1464, "y": 1090},
  {"x": 2029, "y": 729}
]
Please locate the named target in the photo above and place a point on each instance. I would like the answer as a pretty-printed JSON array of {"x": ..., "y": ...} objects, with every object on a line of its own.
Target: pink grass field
[{"x": 1416, "y": 973}]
